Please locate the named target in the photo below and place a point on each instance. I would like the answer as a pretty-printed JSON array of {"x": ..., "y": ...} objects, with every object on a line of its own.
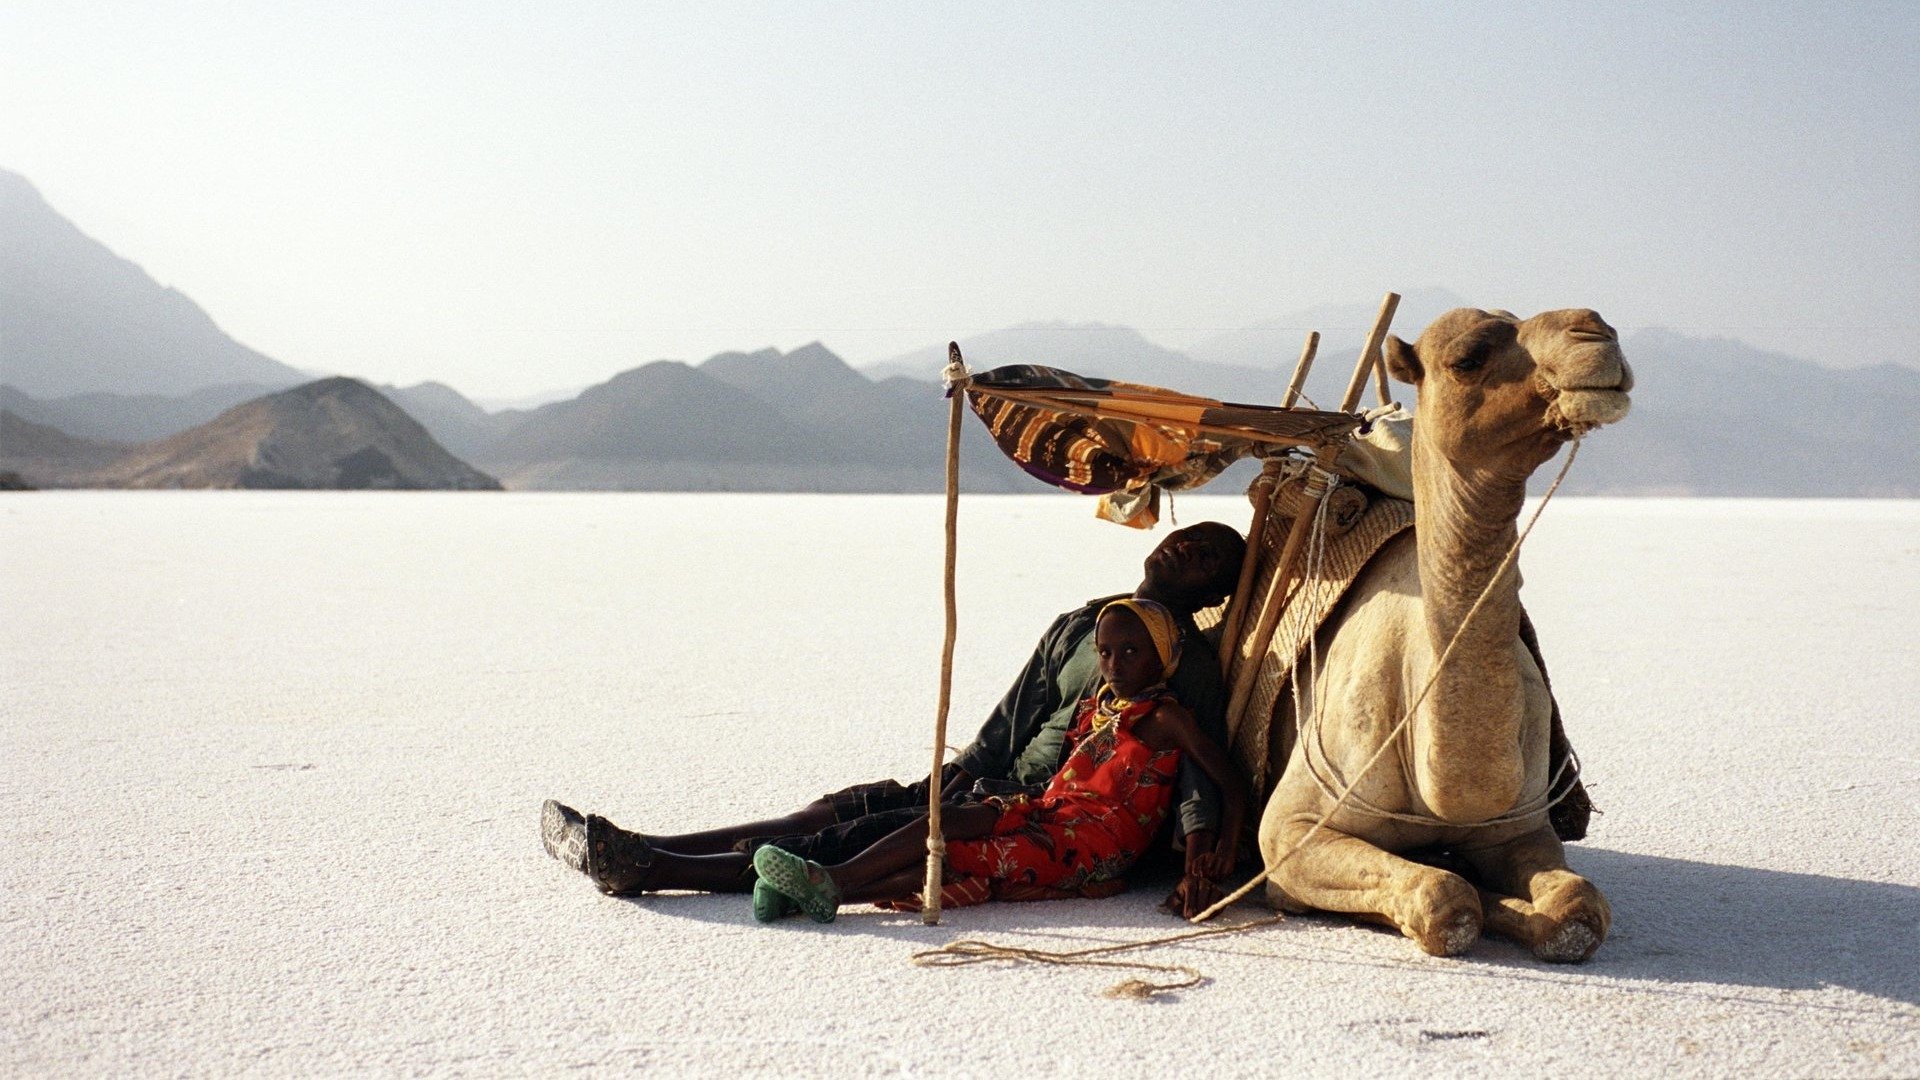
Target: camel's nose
[{"x": 1590, "y": 358}]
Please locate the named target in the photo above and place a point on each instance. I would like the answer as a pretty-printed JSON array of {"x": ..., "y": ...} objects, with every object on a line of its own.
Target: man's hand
[
  {"x": 1197, "y": 889},
  {"x": 960, "y": 782}
]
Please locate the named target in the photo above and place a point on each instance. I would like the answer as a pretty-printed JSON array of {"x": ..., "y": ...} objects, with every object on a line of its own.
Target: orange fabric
[{"x": 1096, "y": 817}]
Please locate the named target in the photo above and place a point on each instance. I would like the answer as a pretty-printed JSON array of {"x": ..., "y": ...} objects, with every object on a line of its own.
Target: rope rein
[{"x": 965, "y": 952}]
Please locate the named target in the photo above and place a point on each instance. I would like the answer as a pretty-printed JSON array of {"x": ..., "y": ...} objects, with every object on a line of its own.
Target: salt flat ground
[{"x": 270, "y": 767}]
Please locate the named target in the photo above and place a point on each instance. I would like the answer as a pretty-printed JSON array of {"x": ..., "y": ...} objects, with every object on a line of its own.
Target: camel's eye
[{"x": 1479, "y": 345}]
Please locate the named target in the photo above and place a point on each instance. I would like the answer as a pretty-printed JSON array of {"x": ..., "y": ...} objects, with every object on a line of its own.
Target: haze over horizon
[{"x": 516, "y": 200}]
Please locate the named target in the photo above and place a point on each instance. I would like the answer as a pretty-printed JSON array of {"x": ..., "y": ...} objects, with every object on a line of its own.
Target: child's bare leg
[{"x": 886, "y": 869}]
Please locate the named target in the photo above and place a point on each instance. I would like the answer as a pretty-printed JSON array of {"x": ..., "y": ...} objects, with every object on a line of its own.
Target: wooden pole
[
  {"x": 936, "y": 840},
  {"x": 1283, "y": 572},
  {"x": 1262, "y": 506},
  {"x": 1368, "y": 354},
  {"x": 1300, "y": 369}
]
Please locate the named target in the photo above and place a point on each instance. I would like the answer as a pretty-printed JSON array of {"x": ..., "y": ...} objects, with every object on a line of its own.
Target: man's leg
[
  {"x": 811, "y": 818},
  {"x": 830, "y": 828},
  {"x": 825, "y": 813}
]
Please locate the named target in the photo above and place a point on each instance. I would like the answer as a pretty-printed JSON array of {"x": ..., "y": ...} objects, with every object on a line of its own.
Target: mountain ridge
[
  {"x": 96, "y": 353},
  {"x": 79, "y": 318},
  {"x": 335, "y": 433}
]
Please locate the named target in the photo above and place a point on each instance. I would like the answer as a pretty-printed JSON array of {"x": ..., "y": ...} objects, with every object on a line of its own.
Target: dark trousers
[{"x": 863, "y": 814}]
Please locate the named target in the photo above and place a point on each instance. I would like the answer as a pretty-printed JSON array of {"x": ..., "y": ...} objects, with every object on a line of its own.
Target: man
[{"x": 1019, "y": 747}]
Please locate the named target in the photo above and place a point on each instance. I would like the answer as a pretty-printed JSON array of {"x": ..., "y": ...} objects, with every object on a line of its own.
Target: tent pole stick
[
  {"x": 1262, "y": 506},
  {"x": 1371, "y": 359},
  {"x": 936, "y": 840},
  {"x": 1316, "y": 490},
  {"x": 1300, "y": 369}
]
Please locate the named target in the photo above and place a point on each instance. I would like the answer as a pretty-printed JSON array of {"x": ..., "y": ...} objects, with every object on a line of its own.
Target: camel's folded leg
[
  {"x": 1336, "y": 871},
  {"x": 1536, "y": 901}
]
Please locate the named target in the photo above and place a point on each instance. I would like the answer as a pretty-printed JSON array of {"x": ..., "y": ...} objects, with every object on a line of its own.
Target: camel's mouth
[
  {"x": 1579, "y": 411},
  {"x": 1589, "y": 389}
]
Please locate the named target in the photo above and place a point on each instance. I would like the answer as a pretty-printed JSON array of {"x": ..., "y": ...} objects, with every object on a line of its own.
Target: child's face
[{"x": 1127, "y": 656}]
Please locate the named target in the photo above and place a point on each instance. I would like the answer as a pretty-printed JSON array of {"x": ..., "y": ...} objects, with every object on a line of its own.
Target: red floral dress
[{"x": 1095, "y": 818}]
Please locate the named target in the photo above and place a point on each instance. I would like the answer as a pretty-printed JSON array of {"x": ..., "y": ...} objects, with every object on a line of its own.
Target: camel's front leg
[
  {"x": 1537, "y": 901},
  {"x": 1337, "y": 871}
]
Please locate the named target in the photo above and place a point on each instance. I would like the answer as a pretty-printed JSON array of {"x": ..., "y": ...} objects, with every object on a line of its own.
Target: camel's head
[{"x": 1498, "y": 392}]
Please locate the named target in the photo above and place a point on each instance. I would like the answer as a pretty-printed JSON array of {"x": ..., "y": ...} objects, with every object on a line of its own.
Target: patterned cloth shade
[{"x": 1128, "y": 442}]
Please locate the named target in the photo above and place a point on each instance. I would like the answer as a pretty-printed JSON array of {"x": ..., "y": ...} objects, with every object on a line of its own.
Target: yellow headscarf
[{"x": 1161, "y": 626}]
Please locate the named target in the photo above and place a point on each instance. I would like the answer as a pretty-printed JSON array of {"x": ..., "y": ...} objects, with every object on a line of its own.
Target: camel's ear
[{"x": 1403, "y": 361}]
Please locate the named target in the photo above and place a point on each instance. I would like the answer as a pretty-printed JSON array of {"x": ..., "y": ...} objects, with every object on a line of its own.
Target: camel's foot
[
  {"x": 1442, "y": 915},
  {"x": 1572, "y": 943},
  {"x": 1567, "y": 928},
  {"x": 1579, "y": 917},
  {"x": 1439, "y": 910}
]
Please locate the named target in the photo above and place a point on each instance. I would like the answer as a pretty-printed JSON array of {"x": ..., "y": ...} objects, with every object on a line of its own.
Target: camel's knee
[{"x": 1281, "y": 900}]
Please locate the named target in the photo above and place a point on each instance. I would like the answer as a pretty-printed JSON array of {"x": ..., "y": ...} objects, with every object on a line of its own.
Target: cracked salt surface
[{"x": 273, "y": 765}]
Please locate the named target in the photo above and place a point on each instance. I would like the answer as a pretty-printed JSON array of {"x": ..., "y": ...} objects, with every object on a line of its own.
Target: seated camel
[{"x": 1468, "y": 776}]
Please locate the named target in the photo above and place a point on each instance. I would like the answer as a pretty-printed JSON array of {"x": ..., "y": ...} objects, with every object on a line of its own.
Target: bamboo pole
[
  {"x": 1237, "y": 607},
  {"x": 1283, "y": 571},
  {"x": 1300, "y": 369},
  {"x": 1262, "y": 506},
  {"x": 936, "y": 840},
  {"x": 1370, "y": 357}
]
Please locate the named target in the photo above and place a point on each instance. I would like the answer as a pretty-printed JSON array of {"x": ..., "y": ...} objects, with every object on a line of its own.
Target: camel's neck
[{"x": 1467, "y": 732}]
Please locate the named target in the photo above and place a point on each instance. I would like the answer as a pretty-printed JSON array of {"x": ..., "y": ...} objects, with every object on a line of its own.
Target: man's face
[
  {"x": 1128, "y": 659},
  {"x": 1192, "y": 561}
]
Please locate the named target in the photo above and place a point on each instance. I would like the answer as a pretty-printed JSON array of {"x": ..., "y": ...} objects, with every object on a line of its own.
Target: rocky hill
[
  {"x": 331, "y": 434},
  {"x": 129, "y": 418},
  {"x": 764, "y": 421},
  {"x": 44, "y": 456},
  {"x": 80, "y": 319}
]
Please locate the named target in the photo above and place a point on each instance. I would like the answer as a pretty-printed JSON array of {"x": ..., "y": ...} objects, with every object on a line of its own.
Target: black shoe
[
  {"x": 618, "y": 861},
  {"x": 563, "y": 832}
]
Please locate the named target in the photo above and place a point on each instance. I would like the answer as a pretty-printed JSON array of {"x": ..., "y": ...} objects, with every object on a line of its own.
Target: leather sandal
[
  {"x": 563, "y": 832},
  {"x": 618, "y": 861}
]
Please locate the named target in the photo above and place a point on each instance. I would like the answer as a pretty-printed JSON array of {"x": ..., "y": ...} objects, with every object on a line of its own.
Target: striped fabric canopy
[{"x": 1128, "y": 442}]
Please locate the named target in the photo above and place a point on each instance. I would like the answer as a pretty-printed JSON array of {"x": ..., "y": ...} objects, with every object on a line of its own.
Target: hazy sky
[{"x": 512, "y": 197}]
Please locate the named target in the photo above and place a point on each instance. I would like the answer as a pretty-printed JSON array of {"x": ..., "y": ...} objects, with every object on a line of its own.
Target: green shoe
[
  {"x": 770, "y": 904},
  {"x": 805, "y": 883}
]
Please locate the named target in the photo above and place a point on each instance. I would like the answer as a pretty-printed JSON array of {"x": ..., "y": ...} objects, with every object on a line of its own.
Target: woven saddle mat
[{"x": 1307, "y": 607}]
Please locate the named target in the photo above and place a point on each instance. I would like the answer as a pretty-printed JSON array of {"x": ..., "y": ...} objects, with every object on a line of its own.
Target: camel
[{"x": 1498, "y": 397}]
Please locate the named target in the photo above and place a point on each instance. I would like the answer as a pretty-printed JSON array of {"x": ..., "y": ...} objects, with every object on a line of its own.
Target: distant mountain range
[
  {"x": 333, "y": 433},
  {"x": 76, "y": 318},
  {"x": 108, "y": 379}
]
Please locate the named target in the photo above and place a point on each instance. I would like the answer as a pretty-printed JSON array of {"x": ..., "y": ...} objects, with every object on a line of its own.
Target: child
[{"x": 1095, "y": 818}]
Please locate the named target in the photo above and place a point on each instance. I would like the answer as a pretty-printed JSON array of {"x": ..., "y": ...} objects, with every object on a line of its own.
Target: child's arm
[{"x": 1173, "y": 726}]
